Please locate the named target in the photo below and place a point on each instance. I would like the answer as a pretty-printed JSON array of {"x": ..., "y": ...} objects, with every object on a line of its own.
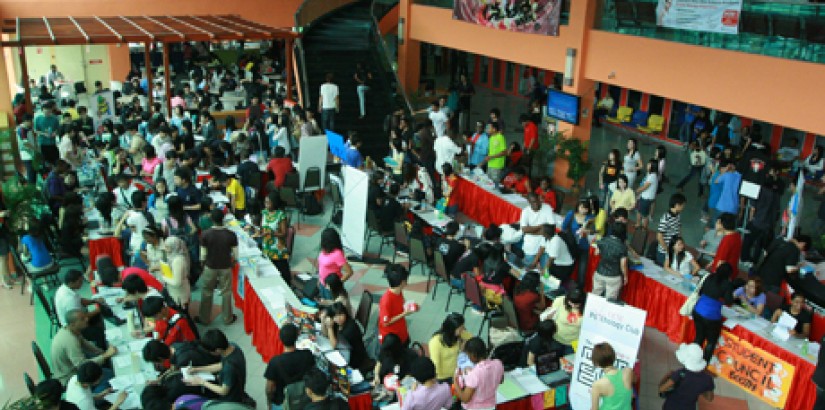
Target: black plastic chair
[
  {"x": 401, "y": 239},
  {"x": 50, "y": 311},
  {"x": 362, "y": 315},
  {"x": 41, "y": 361},
  {"x": 441, "y": 276},
  {"x": 47, "y": 277}
]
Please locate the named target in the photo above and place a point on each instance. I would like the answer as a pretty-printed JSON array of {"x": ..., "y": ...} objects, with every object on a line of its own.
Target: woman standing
[
  {"x": 623, "y": 196},
  {"x": 362, "y": 78},
  {"x": 632, "y": 162},
  {"x": 149, "y": 162},
  {"x": 177, "y": 279},
  {"x": 274, "y": 228},
  {"x": 614, "y": 391},
  {"x": 476, "y": 389},
  {"x": 331, "y": 261},
  {"x": 179, "y": 224},
  {"x": 707, "y": 314},
  {"x": 158, "y": 200},
  {"x": 397, "y": 155},
  {"x": 678, "y": 261},
  {"x": 608, "y": 174},
  {"x": 576, "y": 223},
  {"x": 445, "y": 345}
]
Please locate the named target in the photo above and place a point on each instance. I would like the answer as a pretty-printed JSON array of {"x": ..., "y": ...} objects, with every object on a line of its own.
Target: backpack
[
  {"x": 183, "y": 314},
  {"x": 294, "y": 396},
  {"x": 311, "y": 205}
]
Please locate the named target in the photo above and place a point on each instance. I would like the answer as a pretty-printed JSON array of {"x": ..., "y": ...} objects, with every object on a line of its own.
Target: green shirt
[
  {"x": 47, "y": 124},
  {"x": 621, "y": 397},
  {"x": 496, "y": 146}
]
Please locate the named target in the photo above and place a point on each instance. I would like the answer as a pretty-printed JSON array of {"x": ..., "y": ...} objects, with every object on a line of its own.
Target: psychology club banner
[
  {"x": 754, "y": 370},
  {"x": 716, "y": 16},
  {"x": 523, "y": 16}
]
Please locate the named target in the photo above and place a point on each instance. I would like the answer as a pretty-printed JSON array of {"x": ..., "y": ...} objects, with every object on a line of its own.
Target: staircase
[{"x": 335, "y": 43}]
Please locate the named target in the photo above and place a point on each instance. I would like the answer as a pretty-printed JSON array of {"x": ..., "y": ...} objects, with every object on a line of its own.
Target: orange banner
[{"x": 754, "y": 370}]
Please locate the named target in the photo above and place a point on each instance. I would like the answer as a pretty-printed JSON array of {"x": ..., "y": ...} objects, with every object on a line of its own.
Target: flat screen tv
[{"x": 563, "y": 106}]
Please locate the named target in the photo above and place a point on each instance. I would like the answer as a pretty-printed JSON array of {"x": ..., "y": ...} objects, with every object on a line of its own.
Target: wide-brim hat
[{"x": 691, "y": 356}]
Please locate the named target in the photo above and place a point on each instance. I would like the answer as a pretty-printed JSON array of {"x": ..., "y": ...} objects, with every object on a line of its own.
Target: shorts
[{"x": 643, "y": 206}]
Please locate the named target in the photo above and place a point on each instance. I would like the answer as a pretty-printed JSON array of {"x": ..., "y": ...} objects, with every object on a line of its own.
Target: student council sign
[{"x": 621, "y": 326}]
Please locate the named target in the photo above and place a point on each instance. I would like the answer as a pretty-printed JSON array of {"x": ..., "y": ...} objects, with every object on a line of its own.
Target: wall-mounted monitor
[{"x": 563, "y": 106}]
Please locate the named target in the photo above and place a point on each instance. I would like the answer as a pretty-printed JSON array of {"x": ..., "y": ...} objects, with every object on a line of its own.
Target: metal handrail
[
  {"x": 303, "y": 81},
  {"x": 383, "y": 50}
]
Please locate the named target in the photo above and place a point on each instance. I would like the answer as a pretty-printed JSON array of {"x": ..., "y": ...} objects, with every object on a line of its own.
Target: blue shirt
[
  {"x": 37, "y": 249},
  {"x": 690, "y": 115},
  {"x": 715, "y": 191},
  {"x": 571, "y": 225},
  {"x": 729, "y": 197},
  {"x": 480, "y": 149},
  {"x": 353, "y": 158}
]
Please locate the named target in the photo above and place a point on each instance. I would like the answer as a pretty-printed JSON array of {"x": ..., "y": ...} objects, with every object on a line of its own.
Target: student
[
  {"x": 798, "y": 311},
  {"x": 218, "y": 253},
  {"x": 608, "y": 174},
  {"x": 670, "y": 225},
  {"x": 79, "y": 388},
  {"x": 541, "y": 343},
  {"x": 751, "y": 296},
  {"x": 392, "y": 312},
  {"x": 554, "y": 254},
  {"x": 178, "y": 355},
  {"x": 678, "y": 261},
  {"x": 232, "y": 368},
  {"x": 611, "y": 273},
  {"x": 614, "y": 391},
  {"x": 730, "y": 247},
  {"x": 168, "y": 325},
  {"x": 647, "y": 195},
  {"x": 682, "y": 388},
  {"x": 528, "y": 301},
  {"x": 427, "y": 393},
  {"x": 451, "y": 249},
  {"x": 476, "y": 389},
  {"x": 317, "y": 386},
  {"x": 289, "y": 367},
  {"x": 344, "y": 332},
  {"x": 446, "y": 344},
  {"x": 331, "y": 260},
  {"x": 235, "y": 192},
  {"x": 623, "y": 195}
]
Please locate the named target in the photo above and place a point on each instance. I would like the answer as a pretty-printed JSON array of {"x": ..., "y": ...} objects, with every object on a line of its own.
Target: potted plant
[{"x": 555, "y": 146}]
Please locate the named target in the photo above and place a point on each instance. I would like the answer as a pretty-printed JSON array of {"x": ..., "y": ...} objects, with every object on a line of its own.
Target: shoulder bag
[{"x": 690, "y": 303}]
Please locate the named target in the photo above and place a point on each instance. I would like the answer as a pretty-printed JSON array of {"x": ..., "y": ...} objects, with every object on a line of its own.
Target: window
[
  {"x": 509, "y": 74},
  {"x": 792, "y": 138},
  {"x": 496, "y": 80},
  {"x": 485, "y": 70},
  {"x": 656, "y": 105},
  {"x": 634, "y": 99}
]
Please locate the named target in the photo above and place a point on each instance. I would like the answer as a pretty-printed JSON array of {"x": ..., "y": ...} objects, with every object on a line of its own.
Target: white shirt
[
  {"x": 137, "y": 223},
  {"x": 529, "y": 217},
  {"x": 78, "y": 395},
  {"x": 445, "y": 151},
  {"x": 685, "y": 267},
  {"x": 557, "y": 249},
  {"x": 65, "y": 299},
  {"x": 123, "y": 197},
  {"x": 329, "y": 92},
  {"x": 282, "y": 138},
  {"x": 439, "y": 119},
  {"x": 650, "y": 193}
]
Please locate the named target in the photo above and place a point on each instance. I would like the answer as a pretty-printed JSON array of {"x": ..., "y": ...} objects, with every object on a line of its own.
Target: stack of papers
[
  {"x": 127, "y": 381},
  {"x": 132, "y": 400},
  {"x": 336, "y": 358},
  {"x": 273, "y": 297},
  {"x": 187, "y": 375},
  {"x": 122, "y": 361},
  {"x": 782, "y": 330},
  {"x": 509, "y": 390}
]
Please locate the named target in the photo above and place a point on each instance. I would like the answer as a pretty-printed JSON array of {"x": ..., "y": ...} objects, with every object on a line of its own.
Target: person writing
[
  {"x": 751, "y": 296},
  {"x": 798, "y": 311}
]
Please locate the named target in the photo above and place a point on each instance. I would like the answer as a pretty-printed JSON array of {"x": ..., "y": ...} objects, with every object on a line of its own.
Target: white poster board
[
  {"x": 313, "y": 153},
  {"x": 715, "y": 16},
  {"x": 354, "y": 195},
  {"x": 101, "y": 106},
  {"x": 621, "y": 326}
]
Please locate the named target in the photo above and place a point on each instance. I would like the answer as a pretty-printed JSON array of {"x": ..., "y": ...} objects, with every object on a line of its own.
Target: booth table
[
  {"x": 485, "y": 205},
  {"x": 649, "y": 289}
]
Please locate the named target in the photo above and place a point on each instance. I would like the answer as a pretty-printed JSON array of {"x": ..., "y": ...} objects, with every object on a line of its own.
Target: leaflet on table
[
  {"x": 122, "y": 361},
  {"x": 188, "y": 375},
  {"x": 126, "y": 381},
  {"x": 132, "y": 400},
  {"x": 527, "y": 379},
  {"x": 509, "y": 390}
]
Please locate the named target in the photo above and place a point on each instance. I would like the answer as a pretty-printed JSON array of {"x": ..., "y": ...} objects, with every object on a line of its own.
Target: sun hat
[{"x": 690, "y": 355}]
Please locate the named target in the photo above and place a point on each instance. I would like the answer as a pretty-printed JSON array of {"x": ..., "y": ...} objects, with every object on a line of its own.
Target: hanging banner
[
  {"x": 715, "y": 16},
  {"x": 523, "y": 16},
  {"x": 603, "y": 321},
  {"x": 754, "y": 370}
]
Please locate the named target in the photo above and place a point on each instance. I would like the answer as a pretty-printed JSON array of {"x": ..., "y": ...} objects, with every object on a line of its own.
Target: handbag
[{"x": 690, "y": 303}]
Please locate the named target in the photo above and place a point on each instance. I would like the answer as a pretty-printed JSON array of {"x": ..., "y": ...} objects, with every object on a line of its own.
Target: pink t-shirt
[
  {"x": 330, "y": 263},
  {"x": 149, "y": 165},
  {"x": 484, "y": 378}
]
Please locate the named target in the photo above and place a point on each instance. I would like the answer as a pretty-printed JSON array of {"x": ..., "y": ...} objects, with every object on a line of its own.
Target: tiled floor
[{"x": 657, "y": 351}]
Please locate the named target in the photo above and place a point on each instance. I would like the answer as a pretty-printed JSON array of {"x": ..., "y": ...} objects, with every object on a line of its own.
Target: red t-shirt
[
  {"x": 147, "y": 277},
  {"x": 280, "y": 167},
  {"x": 525, "y": 305},
  {"x": 180, "y": 331},
  {"x": 548, "y": 197},
  {"x": 531, "y": 136},
  {"x": 516, "y": 184},
  {"x": 729, "y": 250},
  {"x": 390, "y": 306},
  {"x": 515, "y": 157}
]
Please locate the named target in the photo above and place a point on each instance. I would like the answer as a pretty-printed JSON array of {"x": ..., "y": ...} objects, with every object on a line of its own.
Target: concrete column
[{"x": 409, "y": 63}]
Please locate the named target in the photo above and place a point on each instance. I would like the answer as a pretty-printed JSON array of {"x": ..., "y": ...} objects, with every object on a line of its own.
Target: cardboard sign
[{"x": 753, "y": 369}]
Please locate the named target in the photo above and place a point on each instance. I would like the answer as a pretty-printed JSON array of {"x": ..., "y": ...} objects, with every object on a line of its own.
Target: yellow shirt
[
  {"x": 445, "y": 358},
  {"x": 236, "y": 190},
  {"x": 568, "y": 324},
  {"x": 623, "y": 199},
  {"x": 600, "y": 222}
]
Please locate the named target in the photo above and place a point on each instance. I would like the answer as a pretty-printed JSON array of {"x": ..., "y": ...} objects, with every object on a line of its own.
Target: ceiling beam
[
  {"x": 238, "y": 33},
  {"x": 105, "y": 24},
  {"x": 137, "y": 26},
  {"x": 49, "y": 28},
  {"x": 248, "y": 27},
  {"x": 80, "y": 29},
  {"x": 193, "y": 27},
  {"x": 171, "y": 30}
]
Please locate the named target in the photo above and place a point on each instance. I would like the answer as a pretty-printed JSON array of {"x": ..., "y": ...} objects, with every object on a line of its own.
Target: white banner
[
  {"x": 354, "y": 194},
  {"x": 716, "y": 16},
  {"x": 313, "y": 153},
  {"x": 101, "y": 106},
  {"x": 621, "y": 326}
]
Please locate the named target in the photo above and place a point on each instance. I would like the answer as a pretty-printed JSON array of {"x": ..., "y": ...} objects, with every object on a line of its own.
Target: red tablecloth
[
  {"x": 482, "y": 206},
  {"x": 105, "y": 246},
  {"x": 662, "y": 305}
]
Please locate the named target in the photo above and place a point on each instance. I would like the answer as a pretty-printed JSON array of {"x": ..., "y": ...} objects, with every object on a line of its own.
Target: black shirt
[
  {"x": 328, "y": 404},
  {"x": 373, "y": 191},
  {"x": 233, "y": 374},
  {"x": 465, "y": 264},
  {"x": 288, "y": 368},
  {"x": 451, "y": 250},
  {"x": 246, "y": 171},
  {"x": 190, "y": 353},
  {"x": 804, "y": 317},
  {"x": 390, "y": 212},
  {"x": 539, "y": 347},
  {"x": 185, "y": 139},
  {"x": 351, "y": 333},
  {"x": 773, "y": 269}
]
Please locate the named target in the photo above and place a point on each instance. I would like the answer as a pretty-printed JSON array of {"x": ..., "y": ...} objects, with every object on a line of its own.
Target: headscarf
[{"x": 176, "y": 247}]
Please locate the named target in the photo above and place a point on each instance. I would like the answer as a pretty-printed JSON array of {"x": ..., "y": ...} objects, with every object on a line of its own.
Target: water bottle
[{"x": 805, "y": 344}]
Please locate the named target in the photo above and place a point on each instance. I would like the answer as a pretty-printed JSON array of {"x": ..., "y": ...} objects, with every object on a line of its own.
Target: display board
[
  {"x": 534, "y": 16},
  {"x": 313, "y": 153},
  {"x": 101, "y": 106},
  {"x": 715, "y": 16},
  {"x": 337, "y": 146},
  {"x": 621, "y": 326},
  {"x": 356, "y": 183}
]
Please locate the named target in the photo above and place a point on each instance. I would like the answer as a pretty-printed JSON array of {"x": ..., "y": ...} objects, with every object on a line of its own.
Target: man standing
[
  {"x": 445, "y": 151},
  {"x": 669, "y": 226},
  {"x": 782, "y": 259},
  {"x": 531, "y": 141},
  {"x": 496, "y": 153},
  {"x": 219, "y": 251},
  {"x": 53, "y": 76},
  {"x": 729, "y": 197},
  {"x": 439, "y": 118},
  {"x": 531, "y": 221},
  {"x": 611, "y": 273},
  {"x": 231, "y": 369},
  {"x": 466, "y": 91},
  {"x": 45, "y": 128},
  {"x": 479, "y": 142},
  {"x": 328, "y": 103},
  {"x": 26, "y": 143},
  {"x": 316, "y": 386},
  {"x": 353, "y": 156},
  {"x": 188, "y": 193},
  {"x": 70, "y": 349}
]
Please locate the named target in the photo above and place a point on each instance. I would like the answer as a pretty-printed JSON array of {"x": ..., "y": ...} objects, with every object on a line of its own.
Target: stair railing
[
  {"x": 384, "y": 53},
  {"x": 301, "y": 72}
]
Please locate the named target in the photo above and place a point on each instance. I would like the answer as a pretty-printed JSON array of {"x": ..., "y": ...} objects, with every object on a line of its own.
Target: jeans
[
  {"x": 685, "y": 132},
  {"x": 689, "y": 176},
  {"x": 584, "y": 256},
  {"x": 609, "y": 286},
  {"x": 362, "y": 98},
  {"x": 31, "y": 175},
  {"x": 222, "y": 280},
  {"x": 707, "y": 330},
  {"x": 328, "y": 119}
]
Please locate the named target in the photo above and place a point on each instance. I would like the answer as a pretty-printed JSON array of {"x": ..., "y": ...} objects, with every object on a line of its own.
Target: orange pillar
[
  {"x": 288, "y": 48},
  {"x": 409, "y": 51},
  {"x": 119, "y": 62}
]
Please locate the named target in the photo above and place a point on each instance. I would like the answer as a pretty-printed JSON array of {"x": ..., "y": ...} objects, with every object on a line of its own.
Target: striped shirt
[{"x": 669, "y": 226}]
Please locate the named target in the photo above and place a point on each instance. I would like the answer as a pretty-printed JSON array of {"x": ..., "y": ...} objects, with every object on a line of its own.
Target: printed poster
[
  {"x": 603, "y": 321},
  {"x": 752, "y": 369},
  {"x": 101, "y": 106},
  {"x": 523, "y": 16},
  {"x": 715, "y": 16}
]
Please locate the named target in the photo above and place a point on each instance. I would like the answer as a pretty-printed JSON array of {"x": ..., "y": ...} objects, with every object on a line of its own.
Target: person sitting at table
[
  {"x": 67, "y": 298},
  {"x": 449, "y": 182},
  {"x": 446, "y": 344},
  {"x": 476, "y": 388},
  {"x": 517, "y": 181},
  {"x": 390, "y": 210},
  {"x": 528, "y": 301},
  {"x": 33, "y": 247},
  {"x": 316, "y": 387},
  {"x": 567, "y": 312},
  {"x": 427, "y": 393},
  {"x": 469, "y": 263},
  {"x": 231, "y": 369},
  {"x": 707, "y": 314},
  {"x": 393, "y": 358},
  {"x": 751, "y": 296},
  {"x": 50, "y": 393},
  {"x": 331, "y": 260},
  {"x": 79, "y": 388},
  {"x": 70, "y": 350},
  {"x": 134, "y": 282},
  {"x": 540, "y": 348},
  {"x": 344, "y": 333},
  {"x": 798, "y": 311},
  {"x": 614, "y": 391},
  {"x": 451, "y": 249},
  {"x": 338, "y": 292},
  {"x": 280, "y": 166},
  {"x": 287, "y": 368},
  {"x": 678, "y": 261},
  {"x": 547, "y": 194},
  {"x": 151, "y": 250},
  {"x": 554, "y": 254},
  {"x": 417, "y": 179},
  {"x": 176, "y": 356},
  {"x": 169, "y": 325}
]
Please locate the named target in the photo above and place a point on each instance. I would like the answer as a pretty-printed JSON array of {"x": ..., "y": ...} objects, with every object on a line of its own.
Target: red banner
[{"x": 523, "y": 16}]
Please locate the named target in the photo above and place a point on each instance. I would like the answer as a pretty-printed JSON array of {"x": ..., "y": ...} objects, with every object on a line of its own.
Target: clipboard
[{"x": 749, "y": 190}]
